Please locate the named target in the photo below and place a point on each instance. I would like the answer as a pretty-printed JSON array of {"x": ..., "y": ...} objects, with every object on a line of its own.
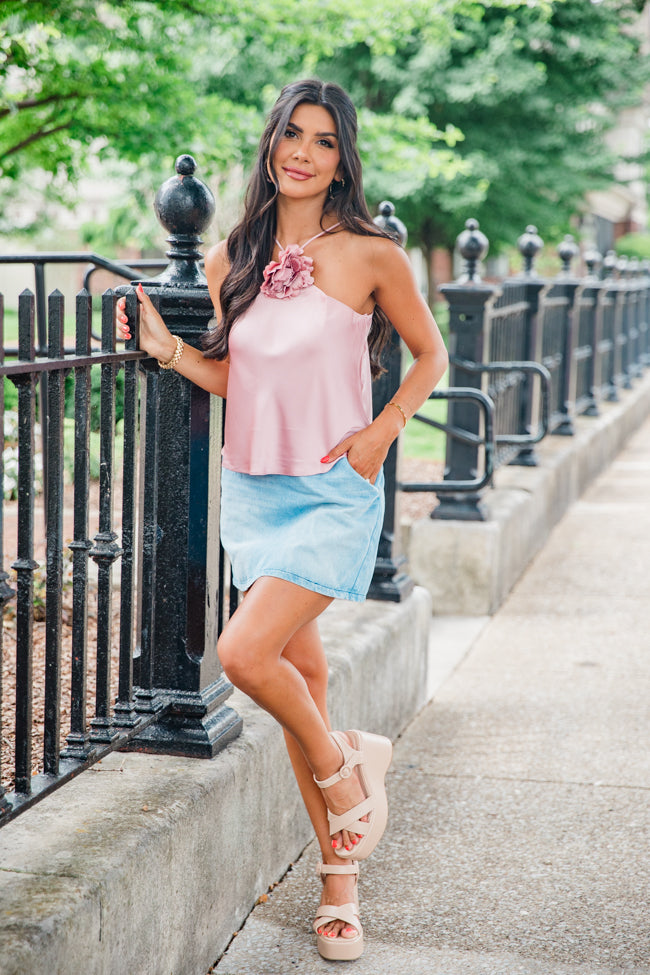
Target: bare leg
[
  {"x": 252, "y": 652},
  {"x": 305, "y": 651}
]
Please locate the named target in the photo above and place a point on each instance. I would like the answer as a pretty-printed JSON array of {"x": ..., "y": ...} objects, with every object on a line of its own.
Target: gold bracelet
[
  {"x": 398, "y": 407},
  {"x": 178, "y": 352}
]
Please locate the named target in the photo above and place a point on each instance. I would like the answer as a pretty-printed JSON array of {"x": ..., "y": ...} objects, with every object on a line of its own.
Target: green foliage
[
  {"x": 11, "y": 395},
  {"x": 533, "y": 88},
  {"x": 95, "y": 396},
  {"x": 423, "y": 442},
  {"x": 634, "y": 245},
  {"x": 94, "y": 451},
  {"x": 495, "y": 109}
]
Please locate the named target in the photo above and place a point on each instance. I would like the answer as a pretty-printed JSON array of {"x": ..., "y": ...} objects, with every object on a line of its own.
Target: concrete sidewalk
[{"x": 519, "y": 837}]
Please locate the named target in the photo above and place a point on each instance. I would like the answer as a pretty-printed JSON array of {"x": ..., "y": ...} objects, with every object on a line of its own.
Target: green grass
[
  {"x": 421, "y": 441},
  {"x": 11, "y": 326}
]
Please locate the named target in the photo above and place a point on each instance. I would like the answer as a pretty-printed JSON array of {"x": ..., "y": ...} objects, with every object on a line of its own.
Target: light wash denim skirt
[{"x": 320, "y": 531}]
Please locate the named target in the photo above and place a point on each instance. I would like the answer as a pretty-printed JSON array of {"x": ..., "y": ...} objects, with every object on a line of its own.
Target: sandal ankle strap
[
  {"x": 351, "y": 757},
  {"x": 327, "y": 868}
]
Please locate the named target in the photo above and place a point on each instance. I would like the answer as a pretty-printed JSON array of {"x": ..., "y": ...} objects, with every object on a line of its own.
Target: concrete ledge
[
  {"x": 148, "y": 864},
  {"x": 470, "y": 567}
]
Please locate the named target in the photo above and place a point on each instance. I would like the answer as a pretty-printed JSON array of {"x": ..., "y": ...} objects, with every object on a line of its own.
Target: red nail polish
[
  {"x": 335, "y": 844},
  {"x": 325, "y": 459}
]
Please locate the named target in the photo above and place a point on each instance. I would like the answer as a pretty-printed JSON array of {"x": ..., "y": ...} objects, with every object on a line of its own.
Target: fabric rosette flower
[{"x": 291, "y": 274}]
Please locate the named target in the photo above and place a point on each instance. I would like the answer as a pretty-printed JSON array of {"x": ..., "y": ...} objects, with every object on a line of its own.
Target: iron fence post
[
  {"x": 644, "y": 346},
  {"x": 6, "y": 592},
  {"x": 529, "y": 244},
  {"x": 390, "y": 581},
  {"x": 25, "y": 564},
  {"x": 566, "y": 287},
  {"x": 591, "y": 292},
  {"x": 178, "y": 666},
  {"x": 467, "y": 299},
  {"x": 611, "y": 327},
  {"x": 623, "y": 336}
]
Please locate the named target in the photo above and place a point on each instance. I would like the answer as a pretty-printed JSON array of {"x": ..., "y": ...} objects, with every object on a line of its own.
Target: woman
[{"x": 298, "y": 336}]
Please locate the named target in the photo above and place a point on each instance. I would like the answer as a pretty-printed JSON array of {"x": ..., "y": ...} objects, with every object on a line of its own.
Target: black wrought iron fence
[
  {"x": 544, "y": 351},
  {"x": 586, "y": 307},
  {"x": 506, "y": 329},
  {"x": 157, "y": 684}
]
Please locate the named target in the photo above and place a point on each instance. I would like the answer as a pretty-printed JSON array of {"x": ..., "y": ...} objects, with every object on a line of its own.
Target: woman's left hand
[{"x": 367, "y": 448}]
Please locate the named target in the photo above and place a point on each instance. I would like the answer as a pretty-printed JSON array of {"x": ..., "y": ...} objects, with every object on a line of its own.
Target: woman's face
[{"x": 306, "y": 155}]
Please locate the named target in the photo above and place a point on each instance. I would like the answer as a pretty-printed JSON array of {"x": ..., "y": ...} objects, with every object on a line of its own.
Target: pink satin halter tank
[{"x": 299, "y": 380}]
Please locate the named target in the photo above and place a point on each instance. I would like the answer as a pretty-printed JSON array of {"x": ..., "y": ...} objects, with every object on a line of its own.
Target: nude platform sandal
[
  {"x": 339, "y": 949},
  {"x": 372, "y": 754}
]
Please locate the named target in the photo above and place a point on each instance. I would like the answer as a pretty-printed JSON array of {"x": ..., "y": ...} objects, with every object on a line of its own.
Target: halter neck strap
[{"x": 321, "y": 234}]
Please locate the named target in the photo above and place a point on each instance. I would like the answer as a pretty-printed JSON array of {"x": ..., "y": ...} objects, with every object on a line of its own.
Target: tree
[
  {"x": 533, "y": 90},
  {"x": 142, "y": 80},
  {"x": 139, "y": 80},
  {"x": 495, "y": 109}
]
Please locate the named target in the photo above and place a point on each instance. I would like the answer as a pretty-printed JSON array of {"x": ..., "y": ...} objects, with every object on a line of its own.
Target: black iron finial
[
  {"x": 593, "y": 259},
  {"x": 567, "y": 250},
  {"x": 185, "y": 206},
  {"x": 387, "y": 221},
  {"x": 473, "y": 246},
  {"x": 609, "y": 263},
  {"x": 530, "y": 244}
]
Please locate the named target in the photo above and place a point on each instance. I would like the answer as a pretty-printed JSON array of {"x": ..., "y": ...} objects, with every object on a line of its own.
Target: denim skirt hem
[
  {"x": 353, "y": 595},
  {"x": 319, "y": 531}
]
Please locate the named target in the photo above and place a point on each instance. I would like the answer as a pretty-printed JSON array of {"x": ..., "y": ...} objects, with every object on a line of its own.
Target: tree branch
[
  {"x": 37, "y": 102},
  {"x": 36, "y": 136}
]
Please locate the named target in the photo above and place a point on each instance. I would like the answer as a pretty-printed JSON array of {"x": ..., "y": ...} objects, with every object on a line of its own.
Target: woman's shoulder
[
  {"x": 216, "y": 258},
  {"x": 379, "y": 255},
  {"x": 371, "y": 246},
  {"x": 216, "y": 266}
]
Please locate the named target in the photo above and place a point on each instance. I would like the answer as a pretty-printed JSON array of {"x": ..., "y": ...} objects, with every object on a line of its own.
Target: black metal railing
[
  {"x": 92, "y": 263},
  {"x": 157, "y": 683},
  {"x": 578, "y": 342},
  {"x": 484, "y": 441},
  {"x": 134, "y": 542}
]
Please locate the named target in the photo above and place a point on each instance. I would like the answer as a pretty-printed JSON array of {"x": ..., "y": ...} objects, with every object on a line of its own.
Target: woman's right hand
[{"x": 154, "y": 337}]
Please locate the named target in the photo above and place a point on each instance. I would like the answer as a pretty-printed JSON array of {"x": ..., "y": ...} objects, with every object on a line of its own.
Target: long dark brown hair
[{"x": 250, "y": 244}]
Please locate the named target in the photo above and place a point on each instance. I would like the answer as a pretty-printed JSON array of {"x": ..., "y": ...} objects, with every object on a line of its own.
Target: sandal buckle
[{"x": 345, "y": 771}]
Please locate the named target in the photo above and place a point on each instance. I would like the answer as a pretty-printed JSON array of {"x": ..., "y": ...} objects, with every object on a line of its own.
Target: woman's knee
[
  {"x": 233, "y": 658},
  {"x": 242, "y": 661}
]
